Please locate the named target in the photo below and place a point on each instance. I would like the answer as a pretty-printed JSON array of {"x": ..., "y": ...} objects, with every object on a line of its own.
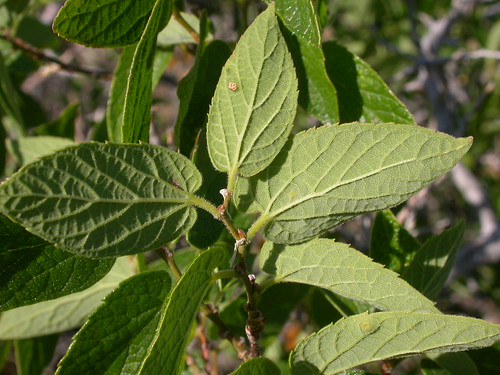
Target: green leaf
[
  {"x": 173, "y": 332},
  {"x": 175, "y": 33},
  {"x": 326, "y": 176},
  {"x": 28, "y": 149},
  {"x": 197, "y": 88},
  {"x": 390, "y": 243},
  {"x": 5, "y": 350},
  {"x": 63, "y": 126},
  {"x": 116, "y": 337},
  {"x": 432, "y": 264},
  {"x": 255, "y": 101},
  {"x": 117, "y": 91},
  {"x": 9, "y": 98},
  {"x": 457, "y": 363},
  {"x": 369, "y": 337},
  {"x": 63, "y": 313},
  {"x": 34, "y": 355},
  {"x": 344, "y": 271},
  {"x": 317, "y": 94},
  {"x": 163, "y": 56},
  {"x": 33, "y": 270},
  {"x": 103, "y": 23},
  {"x": 257, "y": 366},
  {"x": 363, "y": 96},
  {"x": 104, "y": 200},
  {"x": 137, "y": 110}
]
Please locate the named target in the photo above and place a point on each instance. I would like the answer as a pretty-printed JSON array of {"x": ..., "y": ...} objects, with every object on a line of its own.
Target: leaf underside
[
  {"x": 328, "y": 175},
  {"x": 255, "y": 101},
  {"x": 104, "y": 200},
  {"x": 343, "y": 271},
  {"x": 366, "y": 337}
]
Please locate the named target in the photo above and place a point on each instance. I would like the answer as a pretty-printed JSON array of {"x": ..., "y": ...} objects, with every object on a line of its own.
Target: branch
[{"x": 39, "y": 55}]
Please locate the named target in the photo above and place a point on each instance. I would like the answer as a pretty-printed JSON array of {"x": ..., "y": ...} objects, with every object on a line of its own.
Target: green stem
[
  {"x": 259, "y": 223},
  {"x": 141, "y": 262},
  {"x": 168, "y": 257},
  {"x": 226, "y": 274},
  {"x": 178, "y": 17}
]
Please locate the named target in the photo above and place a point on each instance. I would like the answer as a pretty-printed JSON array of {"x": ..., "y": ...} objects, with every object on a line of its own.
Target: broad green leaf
[
  {"x": 487, "y": 359},
  {"x": 326, "y": 176},
  {"x": 175, "y": 33},
  {"x": 33, "y": 270},
  {"x": 103, "y": 23},
  {"x": 197, "y": 88},
  {"x": 27, "y": 149},
  {"x": 173, "y": 332},
  {"x": 257, "y": 366},
  {"x": 255, "y": 101},
  {"x": 34, "y": 355},
  {"x": 104, "y": 200},
  {"x": 363, "y": 96},
  {"x": 390, "y": 243},
  {"x": 63, "y": 313},
  {"x": 117, "y": 91},
  {"x": 430, "y": 368},
  {"x": 317, "y": 94},
  {"x": 63, "y": 126},
  {"x": 432, "y": 264},
  {"x": 369, "y": 337},
  {"x": 137, "y": 109},
  {"x": 116, "y": 337},
  {"x": 344, "y": 271}
]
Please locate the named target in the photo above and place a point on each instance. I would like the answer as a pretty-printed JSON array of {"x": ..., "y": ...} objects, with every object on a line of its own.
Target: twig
[
  {"x": 178, "y": 17},
  {"x": 37, "y": 54},
  {"x": 226, "y": 333},
  {"x": 168, "y": 257}
]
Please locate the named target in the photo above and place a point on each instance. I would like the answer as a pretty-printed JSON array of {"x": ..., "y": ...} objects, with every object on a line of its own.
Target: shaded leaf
[
  {"x": 63, "y": 313},
  {"x": 326, "y": 176},
  {"x": 317, "y": 94},
  {"x": 117, "y": 91},
  {"x": 27, "y": 149},
  {"x": 457, "y": 363},
  {"x": 363, "y": 96},
  {"x": 103, "y": 200},
  {"x": 368, "y": 337},
  {"x": 390, "y": 243},
  {"x": 197, "y": 88},
  {"x": 63, "y": 126},
  {"x": 173, "y": 332},
  {"x": 116, "y": 337},
  {"x": 255, "y": 101},
  {"x": 104, "y": 23},
  {"x": 34, "y": 355},
  {"x": 344, "y": 271},
  {"x": 175, "y": 33},
  {"x": 257, "y": 366},
  {"x": 432, "y": 264},
  {"x": 137, "y": 109}
]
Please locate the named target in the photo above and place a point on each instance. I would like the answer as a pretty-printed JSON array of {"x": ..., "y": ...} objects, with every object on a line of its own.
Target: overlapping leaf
[
  {"x": 255, "y": 101},
  {"x": 344, "y": 271},
  {"x": 137, "y": 110},
  {"x": 433, "y": 262},
  {"x": 326, "y": 176},
  {"x": 172, "y": 335},
  {"x": 317, "y": 93},
  {"x": 63, "y": 313},
  {"x": 116, "y": 337},
  {"x": 104, "y": 23},
  {"x": 363, "y": 96},
  {"x": 104, "y": 200},
  {"x": 257, "y": 366},
  {"x": 369, "y": 337},
  {"x": 34, "y": 270}
]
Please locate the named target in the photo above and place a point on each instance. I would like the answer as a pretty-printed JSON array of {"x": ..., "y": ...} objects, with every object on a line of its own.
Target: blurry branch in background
[
  {"x": 36, "y": 54},
  {"x": 438, "y": 79}
]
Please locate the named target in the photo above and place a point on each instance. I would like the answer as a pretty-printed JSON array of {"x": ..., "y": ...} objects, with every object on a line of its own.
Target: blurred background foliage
[{"x": 441, "y": 58}]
